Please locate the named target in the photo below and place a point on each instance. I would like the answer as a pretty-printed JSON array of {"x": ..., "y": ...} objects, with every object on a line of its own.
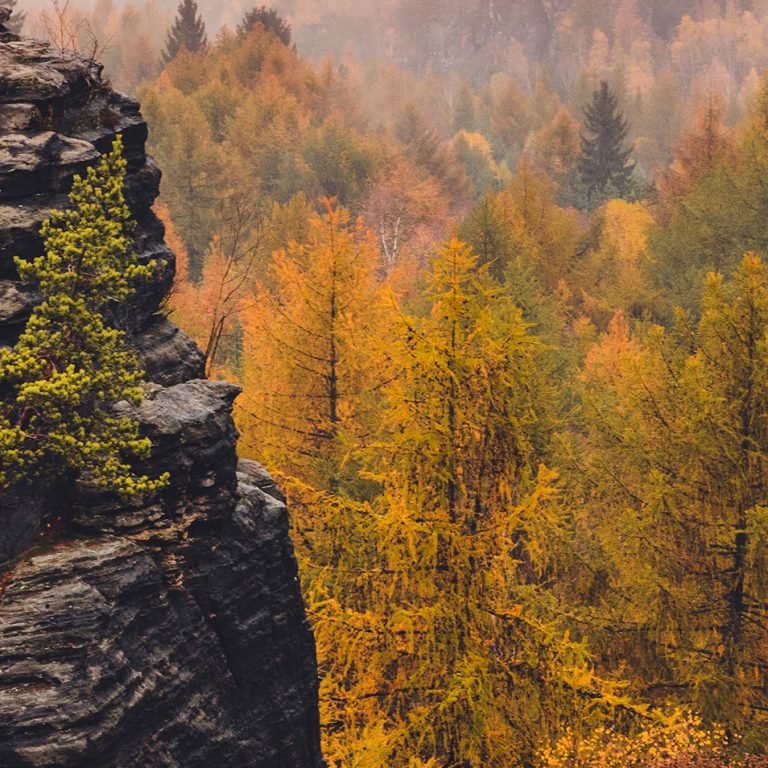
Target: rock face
[{"x": 170, "y": 631}]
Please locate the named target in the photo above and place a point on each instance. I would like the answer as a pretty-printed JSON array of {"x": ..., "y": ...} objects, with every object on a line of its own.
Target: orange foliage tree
[{"x": 307, "y": 367}]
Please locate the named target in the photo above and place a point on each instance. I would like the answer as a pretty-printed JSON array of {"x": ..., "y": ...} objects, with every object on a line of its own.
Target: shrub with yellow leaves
[{"x": 684, "y": 742}]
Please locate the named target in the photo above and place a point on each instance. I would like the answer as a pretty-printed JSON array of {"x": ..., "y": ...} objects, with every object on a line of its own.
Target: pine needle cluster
[{"x": 60, "y": 383}]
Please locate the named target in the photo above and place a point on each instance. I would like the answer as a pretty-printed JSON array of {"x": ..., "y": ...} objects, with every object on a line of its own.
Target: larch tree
[
  {"x": 554, "y": 230},
  {"x": 510, "y": 116},
  {"x": 490, "y": 230},
  {"x": 721, "y": 214},
  {"x": 605, "y": 165},
  {"x": 473, "y": 152},
  {"x": 274, "y": 164},
  {"x": 676, "y": 492},
  {"x": 523, "y": 227},
  {"x": 503, "y": 244},
  {"x": 342, "y": 160},
  {"x": 556, "y": 147},
  {"x": 184, "y": 299},
  {"x": 193, "y": 179},
  {"x": 186, "y": 33},
  {"x": 60, "y": 384},
  {"x": 703, "y": 144},
  {"x": 307, "y": 369},
  {"x": 435, "y": 640},
  {"x": 616, "y": 273},
  {"x": 464, "y": 113},
  {"x": 209, "y": 309},
  {"x": 424, "y": 147}
]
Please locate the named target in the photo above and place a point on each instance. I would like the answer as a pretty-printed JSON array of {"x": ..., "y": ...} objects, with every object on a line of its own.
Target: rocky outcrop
[
  {"x": 167, "y": 355},
  {"x": 169, "y": 631}
]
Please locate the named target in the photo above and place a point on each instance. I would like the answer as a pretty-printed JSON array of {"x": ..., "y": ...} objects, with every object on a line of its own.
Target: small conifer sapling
[{"x": 60, "y": 383}]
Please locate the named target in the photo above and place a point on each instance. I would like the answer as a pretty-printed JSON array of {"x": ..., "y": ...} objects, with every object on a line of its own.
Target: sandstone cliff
[{"x": 164, "y": 633}]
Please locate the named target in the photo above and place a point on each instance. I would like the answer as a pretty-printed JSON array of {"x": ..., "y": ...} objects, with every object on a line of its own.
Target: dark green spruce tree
[
  {"x": 269, "y": 19},
  {"x": 464, "y": 115},
  {"x": 605, "y": 167},
  {"x": 187, "y": 32}
]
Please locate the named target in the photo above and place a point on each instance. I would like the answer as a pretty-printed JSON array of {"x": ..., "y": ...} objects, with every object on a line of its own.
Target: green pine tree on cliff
[
  {"x": 605, "y": 165},
  {"x": 59, "y": 385},
  {"x": 187, "y": 31}
]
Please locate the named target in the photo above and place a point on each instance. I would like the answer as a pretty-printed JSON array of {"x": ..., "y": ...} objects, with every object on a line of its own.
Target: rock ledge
[{"x": 171, "y": 631}]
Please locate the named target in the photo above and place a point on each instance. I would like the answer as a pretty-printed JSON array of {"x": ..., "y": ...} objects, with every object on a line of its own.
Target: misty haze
[{"x": 384, "y": 384}]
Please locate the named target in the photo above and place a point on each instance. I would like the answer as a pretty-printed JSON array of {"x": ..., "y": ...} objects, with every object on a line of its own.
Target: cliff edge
[{"x": 169, "y": 632}]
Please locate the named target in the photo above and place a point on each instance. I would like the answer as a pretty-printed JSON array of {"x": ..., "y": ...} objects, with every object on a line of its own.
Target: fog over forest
[
  {"x": 493, "y": 278},
  {"x": 661, "y": 58}
]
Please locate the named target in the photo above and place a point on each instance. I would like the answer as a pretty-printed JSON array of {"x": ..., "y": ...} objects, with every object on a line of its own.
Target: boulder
[{"x": 167, "y": 355}]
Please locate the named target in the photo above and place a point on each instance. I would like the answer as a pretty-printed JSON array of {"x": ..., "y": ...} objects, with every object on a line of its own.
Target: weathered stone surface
[
  {"x": 33, "y": 71},
  {"x": 104, "y": 665},
  {"x": 167, "y": 355},
  {"x": 16, "y": 303},
  {"x": 22, "y": 513},
  {"x": 20, "y": 228},
  {"x": 16, "y": 117},
  {"x": 139, "y": 308},
  {"x": 166, "y": 631},
  {"x": 41, "y": 163},
  {"x": 56, "y": 118},
  {"x": 252, "y": 473},
  {"x": 193, "y": 439},
  {"x": 142, "y": 187}
]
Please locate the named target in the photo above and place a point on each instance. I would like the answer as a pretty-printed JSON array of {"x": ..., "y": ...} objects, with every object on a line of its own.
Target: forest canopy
[{"x": 494, "y": 279}]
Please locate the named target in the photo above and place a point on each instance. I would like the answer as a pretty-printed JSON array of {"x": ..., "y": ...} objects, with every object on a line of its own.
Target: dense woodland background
[{"x": 493, "y": 277}]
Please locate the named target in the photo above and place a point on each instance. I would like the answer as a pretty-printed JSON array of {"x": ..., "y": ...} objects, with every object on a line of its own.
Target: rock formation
[{"x": 169, "y": 632}]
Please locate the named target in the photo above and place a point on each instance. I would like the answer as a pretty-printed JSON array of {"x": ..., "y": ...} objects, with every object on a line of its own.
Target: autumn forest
[{"x": 494, "y": 280}]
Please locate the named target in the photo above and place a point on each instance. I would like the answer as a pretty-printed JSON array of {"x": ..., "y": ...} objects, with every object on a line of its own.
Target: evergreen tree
[
  {"x": 187, "y": 32},
  {"x": 464, "y": 114},
  {"x": 60, "y": 383},
  {"x": 605, "y": 165},
  {"x": 269, "y": 19}
]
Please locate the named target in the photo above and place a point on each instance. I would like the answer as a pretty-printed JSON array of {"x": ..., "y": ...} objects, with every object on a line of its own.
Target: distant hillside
[{"x": 444, "y": 33}]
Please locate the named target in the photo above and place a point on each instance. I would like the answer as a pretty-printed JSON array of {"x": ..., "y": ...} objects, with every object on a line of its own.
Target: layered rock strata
[{"x": 168, "y": 632}]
